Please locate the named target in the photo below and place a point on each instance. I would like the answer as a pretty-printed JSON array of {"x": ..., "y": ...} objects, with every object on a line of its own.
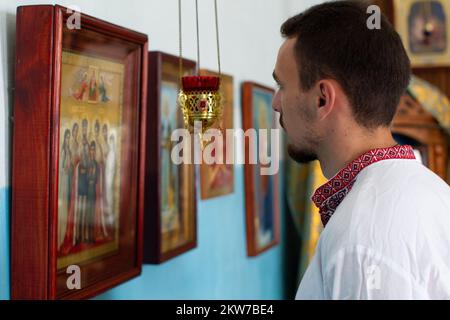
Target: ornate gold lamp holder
[
  {"x": 199, "y": 97},
  {"x": 200, "y": 101}
]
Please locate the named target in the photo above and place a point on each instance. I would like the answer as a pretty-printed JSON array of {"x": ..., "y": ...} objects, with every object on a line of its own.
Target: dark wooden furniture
[{"x": 414, "y": 122}]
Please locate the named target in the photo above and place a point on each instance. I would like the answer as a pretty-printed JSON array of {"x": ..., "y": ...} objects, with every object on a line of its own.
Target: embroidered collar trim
[{"x": 330, "y": 195}]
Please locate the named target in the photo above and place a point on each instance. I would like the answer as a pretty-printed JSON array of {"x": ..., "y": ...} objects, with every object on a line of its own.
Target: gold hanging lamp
[{"x": 199, "y": 97}]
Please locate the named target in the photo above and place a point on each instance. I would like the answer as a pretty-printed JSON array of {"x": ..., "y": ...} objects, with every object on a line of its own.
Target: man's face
[{"x": 297, "y": 108}]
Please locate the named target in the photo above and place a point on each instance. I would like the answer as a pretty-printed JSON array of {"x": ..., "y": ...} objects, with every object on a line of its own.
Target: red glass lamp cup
[{"x": 200, "y": 83}]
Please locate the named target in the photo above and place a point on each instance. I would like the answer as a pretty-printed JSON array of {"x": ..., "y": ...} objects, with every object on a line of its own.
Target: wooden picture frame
[
  {"x": 170, "y": 193},
  {"x": 425, "y": 48},
  {"x": 78, "y": 160},
  {"x": 218, "y": 179},
  {"x": 261, "y": 236}
]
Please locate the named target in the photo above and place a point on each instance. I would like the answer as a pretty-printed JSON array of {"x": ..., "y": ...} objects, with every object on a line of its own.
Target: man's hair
[{"x": 371, "y": 65}]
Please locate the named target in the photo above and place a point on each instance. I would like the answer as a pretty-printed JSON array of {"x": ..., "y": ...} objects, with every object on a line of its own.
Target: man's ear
[{"x": 326, "y": 96}]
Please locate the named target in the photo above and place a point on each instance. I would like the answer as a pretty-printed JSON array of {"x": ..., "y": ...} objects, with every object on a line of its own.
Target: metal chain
[
  {"x": 198, "y": 38},
  {"x": 217, "y": 37},
  {"x": 180, "y": 44}
]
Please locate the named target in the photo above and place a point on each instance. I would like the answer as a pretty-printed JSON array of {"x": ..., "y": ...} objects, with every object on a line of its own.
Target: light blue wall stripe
[{"x": 4, "y": 242}]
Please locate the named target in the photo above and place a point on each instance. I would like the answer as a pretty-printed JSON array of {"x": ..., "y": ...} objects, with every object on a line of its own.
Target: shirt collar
[{"x": 328, "y": 196}]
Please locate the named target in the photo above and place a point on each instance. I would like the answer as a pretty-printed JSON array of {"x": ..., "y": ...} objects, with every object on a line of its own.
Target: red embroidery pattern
[{"x": 330, "y": 195}]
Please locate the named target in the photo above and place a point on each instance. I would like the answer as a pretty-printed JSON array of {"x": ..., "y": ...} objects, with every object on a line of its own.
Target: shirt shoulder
[
  {"x": 399, "y": 211},
  {"x": 394, "y": 193}
]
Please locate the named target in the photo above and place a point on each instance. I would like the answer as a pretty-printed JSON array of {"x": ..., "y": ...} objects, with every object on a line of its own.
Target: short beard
[{"x": 301, "y": 156}]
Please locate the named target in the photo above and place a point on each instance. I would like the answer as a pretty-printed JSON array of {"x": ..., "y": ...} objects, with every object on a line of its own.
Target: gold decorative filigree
[{"x": 204, "y": 106}]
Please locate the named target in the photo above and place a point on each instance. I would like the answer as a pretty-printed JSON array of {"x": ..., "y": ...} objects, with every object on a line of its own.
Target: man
[{"x": 386, "y": 216}]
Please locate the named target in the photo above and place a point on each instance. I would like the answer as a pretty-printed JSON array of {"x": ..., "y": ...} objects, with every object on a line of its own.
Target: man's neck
[{"x": 341, "y": 151}]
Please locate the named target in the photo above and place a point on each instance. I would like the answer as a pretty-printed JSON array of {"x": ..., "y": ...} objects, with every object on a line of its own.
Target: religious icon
[
  {"x": 423, "y": 26},
  {"x": 264, "y": 184},
  {"x": 88, "y": 185},
  {"x": 170, "y": 181},
  {"x": 262, "y": 204},
  {"x": 217, "y": 179},
  {"x": 427, "y": 27},
  {"x": 82, "y": 152},
  {"x": 90, "y": 85},
  {"x": 170, "y": 207}
]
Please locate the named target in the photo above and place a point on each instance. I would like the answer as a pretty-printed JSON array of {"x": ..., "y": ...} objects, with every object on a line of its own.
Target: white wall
[
  {"x": 295, "y": 6},
  {"x": 7, "y": 49}
]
